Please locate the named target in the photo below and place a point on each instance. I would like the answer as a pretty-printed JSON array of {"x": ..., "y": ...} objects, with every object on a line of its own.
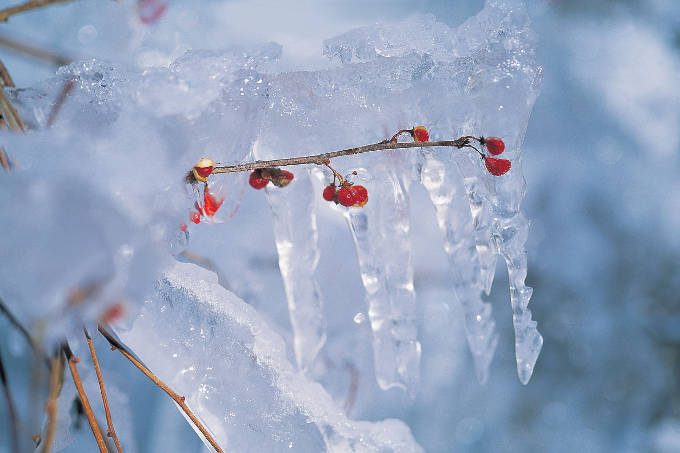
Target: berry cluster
[
  {"x": 262, "y": 176},
  {"x": 346, "y": 194},
  {"x": 495, "y": 146}
]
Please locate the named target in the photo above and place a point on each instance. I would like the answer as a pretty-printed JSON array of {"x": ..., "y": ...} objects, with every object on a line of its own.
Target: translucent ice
[
  {"x": 232, "y": 368},
  {"x": 381, "y": 237}
]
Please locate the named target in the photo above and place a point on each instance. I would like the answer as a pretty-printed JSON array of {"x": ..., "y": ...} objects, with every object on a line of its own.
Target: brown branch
[
  {"x": 33, "y": 51},
  {"x": 171, "y": 393},
  {"x": 105, "y": 400},
  {"x": 7, "y": 110},
  {"x": 5, "y": 77},
  {"x": 5, "y": 163},
  {"x": 72, "y": 360},
  {"x": 26, "y": 6},
  {"x": 56, "y": 383},
  {"x": 322, "y": 159},
  {"x": 11, "y": 408}
]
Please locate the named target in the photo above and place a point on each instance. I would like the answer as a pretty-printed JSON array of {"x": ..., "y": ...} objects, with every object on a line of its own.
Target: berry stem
[{"x": 323, "y": 159}]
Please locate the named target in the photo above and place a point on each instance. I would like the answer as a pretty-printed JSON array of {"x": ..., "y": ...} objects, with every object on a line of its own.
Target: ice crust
[{"x": 216, "y": 350}]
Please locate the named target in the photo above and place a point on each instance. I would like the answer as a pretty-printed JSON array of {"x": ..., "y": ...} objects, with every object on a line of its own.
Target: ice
[
  {"x": 297, "y": 245},
  {"x": 450, "y": 199},
  {"x": 381, "y": 237},
  {"x": 232, "y": 368}
]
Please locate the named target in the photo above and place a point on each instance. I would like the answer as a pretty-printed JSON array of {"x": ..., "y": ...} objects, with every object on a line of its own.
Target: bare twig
[
  {"x": 170, "y": 392},
  {"x": 105, "y": 400},
  {"x": 72, "y": 360},
  {"x": 5, "y": 77},
  {"x": 33, "y": 51},
  {"x": 56, "y": 383},
  {"x": 5, "y": 163},
  {"x": 11, "y": 408},
  {"x": 26, "y": 6},
  {"x": 322, "y": 159}
]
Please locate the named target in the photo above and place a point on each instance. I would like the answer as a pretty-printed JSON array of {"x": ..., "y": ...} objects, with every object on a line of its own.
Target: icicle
[
  {"x": 511, "y": 236},
  {"x": 381, "y": 237},
  {"x": 296, "y": 242},
  {"x": 450, "y": 199}
]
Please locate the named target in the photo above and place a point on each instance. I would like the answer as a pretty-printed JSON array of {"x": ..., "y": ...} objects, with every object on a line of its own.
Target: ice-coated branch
[
  {"x": 322, "y": 159},
  {"x": 72, "y": 361},
  {"x": 177, "y": 398},
  {"x": 111, "y": 432}
]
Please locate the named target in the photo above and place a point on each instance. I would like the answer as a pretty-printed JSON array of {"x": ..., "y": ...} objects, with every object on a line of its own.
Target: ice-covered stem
[
  {"x": 56, "y": 383},
  {"x": 11, "y": 408},
  {"x": 322, "y": 159},
  {"x": 72, "y": 361},
  {"x": 26, "y": 6},
  {"x": 177, "y": 398},
  {"x": 111, "y": 432},
  {"x": 24, "y": 332}
]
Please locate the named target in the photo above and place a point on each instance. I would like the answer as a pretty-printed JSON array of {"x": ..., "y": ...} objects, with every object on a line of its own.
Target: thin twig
[
  {"x": 321, "y": 159},
  {"x": 105, "y": 400},
  {"x": 33, "y": 51},
  {"x": 56, "y": 383},
  {"x": 72, "y": 360},
  {"x": 5, "y": 163},
  {"x": 11, "y": 408},
  {"x": 5, "y": 77},
  {"x": 7, "y": 110},
  {"x": 27, "y": 6},
  {"x": 170, "y": 392}
]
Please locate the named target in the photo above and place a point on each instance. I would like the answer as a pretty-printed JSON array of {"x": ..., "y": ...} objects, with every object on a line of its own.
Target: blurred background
[{"x": 603, "y": 196}]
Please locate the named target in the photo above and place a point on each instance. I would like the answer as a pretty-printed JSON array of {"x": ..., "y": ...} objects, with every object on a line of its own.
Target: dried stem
[
  {"x": 72, "y": 360},
  {"x": 11, "y": 408},
  {"x": 33, "y": 51},
  {"x": 56, "y": 383},
  {"x": 322, "y": 159},
  {"x": 105, "y": 400},
  {"x": 4, "y": 76},
  {"x": 171, "y": 393},
  {"x": 7, "y": 110},
  {"x": 31, "y": 341},
  {"x": 5, "y": 163},
  {"x": 26, "y": 6}
]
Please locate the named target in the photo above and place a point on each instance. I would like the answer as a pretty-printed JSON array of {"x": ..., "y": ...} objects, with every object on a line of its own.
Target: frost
[{"x": 222, "y": 356}]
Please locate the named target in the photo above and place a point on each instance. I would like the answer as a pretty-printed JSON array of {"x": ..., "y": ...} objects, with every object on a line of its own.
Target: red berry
[
  {"x": 204, "y": 171},
  {"x": 183, "y": 227},
  {"x": 150, "y": 10},
  {"x": 497, "y": 167},
  {"x": 345, "y": 196},
  {"x": 113, "y": 313},
  {"x": 210, "y": 203},
  {"x": 420, "y": 134},
  {"x": 282, "y": 178},
  {"x": 329, "y": 192},
  {"x": 495, "y": 145},
  {"x": 360, "y": 195},
  {"x": 196, "y": 217},
  {"x": 256, "y": 180}
]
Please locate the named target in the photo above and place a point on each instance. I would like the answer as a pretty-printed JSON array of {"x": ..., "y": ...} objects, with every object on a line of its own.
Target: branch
[
  {"x": 322, "y": 159},
  {"x": 56, "y": 383},
  {"x": 27, "y": 6},
  {"x": 109, "y": 421},
  {"x": 171, "y": 393},
  {"x": 11, "y": 409},
  {"x": 72, "y": 360},
  {"x": 7, "y": 110},
  {"x": 31, "y": 341}
]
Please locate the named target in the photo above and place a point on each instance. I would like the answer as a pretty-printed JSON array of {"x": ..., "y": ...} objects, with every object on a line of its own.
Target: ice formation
[{"x": 217, "y": 351}]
